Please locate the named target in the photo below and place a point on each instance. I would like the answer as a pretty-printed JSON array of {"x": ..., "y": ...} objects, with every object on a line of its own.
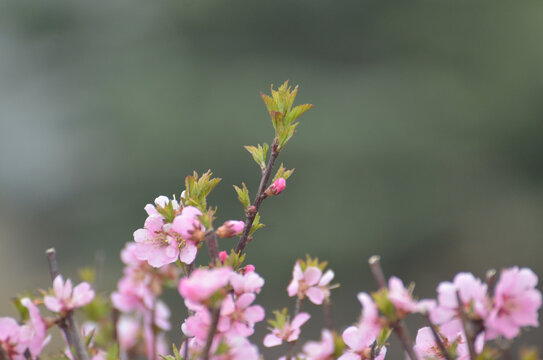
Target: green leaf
[
  {"x": 176, "y": 353},
  {"x": 259, "y": 154},
  {"x": 243, "y": 195},
  {"x": 296, "y": 113},
  {"x": 21, "y": 309},
  {"x": 256, "y": 224},
  {"x": 282, "y": 172},
  {"x": 383, "y": 337}
]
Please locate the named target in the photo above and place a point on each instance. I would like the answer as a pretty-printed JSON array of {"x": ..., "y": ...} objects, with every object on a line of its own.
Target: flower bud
[
  {"x": 223, "y": 256},
  {"x": 277, "y": 187},
  {"x": 230, "y": 228},
  {"x": 248, "y": 268}
]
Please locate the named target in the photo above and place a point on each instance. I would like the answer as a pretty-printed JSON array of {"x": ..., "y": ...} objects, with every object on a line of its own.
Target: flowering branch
[
  {"x": 215, "y": 315},
  {"x": 437, "y": 338},
  {"x": 260, "y": 196},
  {"x": 467, "y": 328},
  {"x": 68, "y": 325},
  {"x": 399, "y": 328}
]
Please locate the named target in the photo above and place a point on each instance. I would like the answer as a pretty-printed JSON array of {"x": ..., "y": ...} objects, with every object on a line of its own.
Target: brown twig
[
  {"x": 212, "y": 245},
  {"x": 328, "y": 318},
  {"x": 153, "y": 331},
  {"x": 68, "y": 326},
  {"x": 399, "y": 328},
  {"x": 215, "y": 315},
  {"x": 467, "y": 327},
  {"x": 437, "y": 338},
  {"x": 260, "y": 196}
]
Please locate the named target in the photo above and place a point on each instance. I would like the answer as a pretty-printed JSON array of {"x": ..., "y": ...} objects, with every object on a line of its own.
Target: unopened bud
[
  {"x": 277, "y": 187},
  {"x": 249, "y": 238},
  {"x": 197, "y": 235},
  {"x": 230, "y": 228},
  {"x": 248, "y": 268},
  {"x": 223, "y": 256},
  {"x": 251, "y": 210}
]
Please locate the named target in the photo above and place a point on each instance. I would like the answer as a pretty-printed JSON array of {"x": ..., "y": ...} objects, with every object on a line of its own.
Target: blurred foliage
[{"x": 424, "y": 145}]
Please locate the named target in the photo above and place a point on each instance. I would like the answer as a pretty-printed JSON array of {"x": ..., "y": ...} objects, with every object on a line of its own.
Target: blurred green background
[{"x": 424, "y": 145}]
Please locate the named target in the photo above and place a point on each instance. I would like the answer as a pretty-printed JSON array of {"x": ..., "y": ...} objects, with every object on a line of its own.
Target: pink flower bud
[
  {"x": 223, "y": 256},
  {"x": 230, "y": 228},
  {"x": 277, "y": 187},
  {"x": 248, "y": 268}
]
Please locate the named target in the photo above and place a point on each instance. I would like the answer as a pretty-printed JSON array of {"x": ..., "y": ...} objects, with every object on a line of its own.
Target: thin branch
[
  {"x": 215, "y": 315},
  {"x": 377, "y": 271},
  {"x": 69, "y": 326},
  {"x": 153, "y": 331},
  {"x": 212, "y": 245},
  {"x": 437, "y": 338},
  {"x": 328, "y": 318},
  {"x": 467, "y": 328},
  {"x": 399, "y": 328},
  {"x": 260, "y": 196}
]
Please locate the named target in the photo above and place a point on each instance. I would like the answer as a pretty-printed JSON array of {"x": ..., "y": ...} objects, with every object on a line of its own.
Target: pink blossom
[
  {"x": 516, "y": 303},
  {"x": 370, "y": 315},
  {"x": 155, "y": 243},
  {"x": 10, "y": 338},
  {"x": 203, "y": 283},
  {"x": 289, "y": 332},
  {"x": 311, "y": 283},
  {"x": 473, "y": 295},
  {"x": 34, "y": 333},
  {"x": 427, "y": 348},
  {"x": 320, "y": 350},
  {"x": 238, "y": 316},
  {"x": 359, "y": 340},
  {"x": 230, "y": 228},
  {"x": 400, "y": 297},
  {"x": 250, "y": 282},
  {"x": 65, "y": 298},
  {"x": 187, "y": 224}
]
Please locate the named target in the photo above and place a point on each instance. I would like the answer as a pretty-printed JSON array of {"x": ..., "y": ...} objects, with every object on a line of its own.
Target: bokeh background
[{"x": 424, "y": 146}]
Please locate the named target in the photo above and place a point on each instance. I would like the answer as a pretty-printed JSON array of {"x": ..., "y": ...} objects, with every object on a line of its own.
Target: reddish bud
[
  {"x": 277, "y": 187},
  {"x": 223, "y": 256},
  {"x": 251, "y": 210},
  {"x": 248, "y": 268}
]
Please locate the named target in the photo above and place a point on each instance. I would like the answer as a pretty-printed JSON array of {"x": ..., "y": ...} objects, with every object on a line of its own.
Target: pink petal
[
  {"x": 326, "y": 278},
  {"x": 52, "y": 303},
  {"x": 292, "y": 288},
  {"x": 58, "y": 286},
  {"x": 272, "y": 340},
  {"x": 188, "y": 253},
  {"x": 299, "y": 320},
  {"x": 245, "y": 300},
  {"x": 316, "y": 295},
  {"x": 254, "y": 313},
  {"x": 312, "y": 275},
  {"x": 82, "y": 295}
]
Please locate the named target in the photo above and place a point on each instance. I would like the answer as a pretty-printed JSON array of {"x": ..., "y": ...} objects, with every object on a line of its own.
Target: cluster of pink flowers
[
  {"x": 232, "y": 294},
  {"x": 137, "y": 297},
  {"x": 163, "y": 241},
  {"x": 18, "y": 339}
]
